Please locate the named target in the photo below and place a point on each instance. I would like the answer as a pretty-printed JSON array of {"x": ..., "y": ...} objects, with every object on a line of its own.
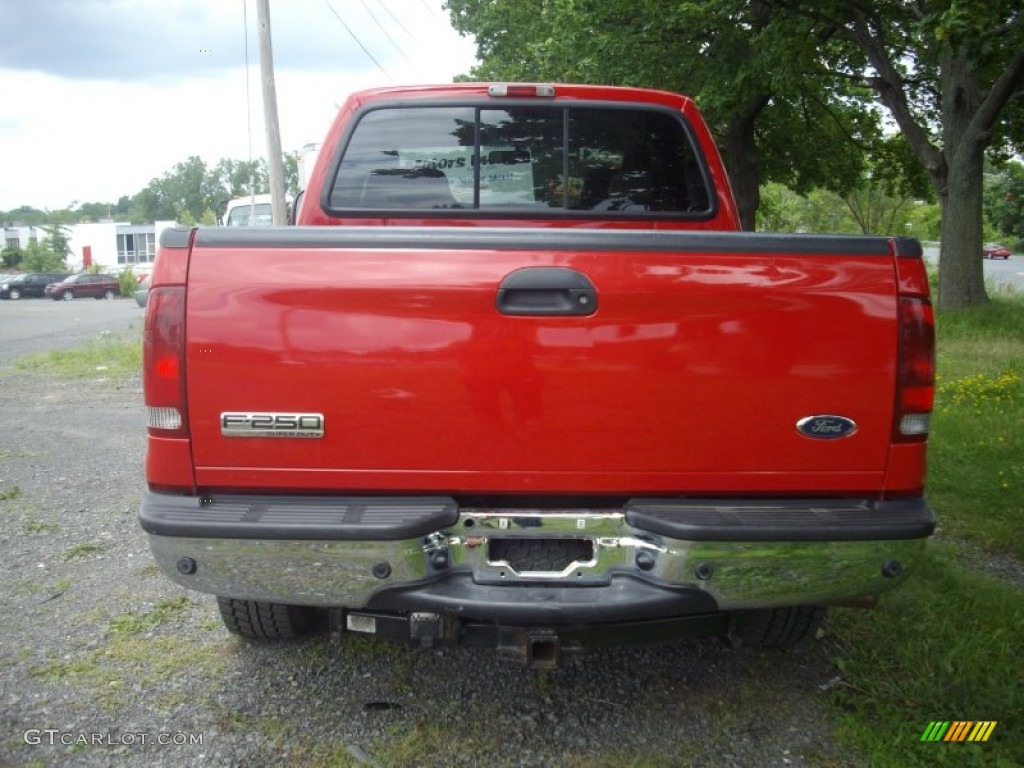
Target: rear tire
[
  {"x": 264, "y": 621},
  {"x": 110, "y": 294},
  {"x": 776, "y": 627}
]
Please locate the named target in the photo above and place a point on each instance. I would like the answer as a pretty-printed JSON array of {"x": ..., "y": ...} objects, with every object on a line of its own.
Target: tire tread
[
  {"x": 263, "y": 621},
  {"x": 784, "y": 627}
]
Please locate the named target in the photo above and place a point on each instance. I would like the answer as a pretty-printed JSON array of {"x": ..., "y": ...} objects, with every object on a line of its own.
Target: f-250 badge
[
  {"x": 272, "y": 424},
  {"x": 826, "y": 427}
]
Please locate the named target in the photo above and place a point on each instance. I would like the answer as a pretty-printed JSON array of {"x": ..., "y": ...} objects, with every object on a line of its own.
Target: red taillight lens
[
  {"x": 163, "y": 361},
  {"x": 915, "y": 385}
]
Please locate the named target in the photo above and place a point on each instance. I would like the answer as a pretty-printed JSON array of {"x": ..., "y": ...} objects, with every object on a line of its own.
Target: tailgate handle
[{"x": 545, "y": 291}]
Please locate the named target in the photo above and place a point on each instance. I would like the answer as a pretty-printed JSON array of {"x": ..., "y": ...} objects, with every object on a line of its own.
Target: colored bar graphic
[
  {"x": 958, "y": 730},
  {"x": 982, "y": 730}
]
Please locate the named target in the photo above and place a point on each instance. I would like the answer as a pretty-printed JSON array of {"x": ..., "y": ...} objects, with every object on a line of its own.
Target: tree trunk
[
  {"x": 743, "y": 161},
  {"x": 744, "y": 166},
  {"x": 961, "y": 272}
]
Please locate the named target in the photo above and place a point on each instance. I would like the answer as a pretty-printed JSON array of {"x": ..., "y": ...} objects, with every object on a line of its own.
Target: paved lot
[
  {"x": 1003, "y": 271},
  {"x": 37, "y": 325},
  {"x": 1007, "y": 271}
]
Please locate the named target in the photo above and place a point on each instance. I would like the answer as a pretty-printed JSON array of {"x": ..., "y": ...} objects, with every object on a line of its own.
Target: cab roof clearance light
[{"x": 528, "y": 91}]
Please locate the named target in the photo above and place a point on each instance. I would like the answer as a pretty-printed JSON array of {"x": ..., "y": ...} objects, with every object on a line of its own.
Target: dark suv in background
[
  {"x": 29, "y": 284},
  {"x": 75, "y": 286}
]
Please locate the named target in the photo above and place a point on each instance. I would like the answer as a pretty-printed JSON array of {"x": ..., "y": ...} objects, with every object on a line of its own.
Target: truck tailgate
[{"x": 688, "y": 373}]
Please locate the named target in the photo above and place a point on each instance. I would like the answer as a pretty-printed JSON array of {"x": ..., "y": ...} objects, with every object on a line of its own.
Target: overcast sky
[{"x": 100, "y": 96}]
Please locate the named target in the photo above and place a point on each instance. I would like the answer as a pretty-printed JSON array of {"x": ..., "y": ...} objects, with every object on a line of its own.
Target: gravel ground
[{"x": 103, "y": 661}]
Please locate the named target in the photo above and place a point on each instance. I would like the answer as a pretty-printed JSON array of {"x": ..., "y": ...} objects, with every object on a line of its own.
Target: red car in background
[
  {"x": 994, "y": 251},
  {"x": 77, "y": 286}
]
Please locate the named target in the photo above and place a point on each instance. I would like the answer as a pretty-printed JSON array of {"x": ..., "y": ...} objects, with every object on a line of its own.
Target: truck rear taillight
[
  {"x": 915, "y": 385},
  {"x": 163, "y": 361}
]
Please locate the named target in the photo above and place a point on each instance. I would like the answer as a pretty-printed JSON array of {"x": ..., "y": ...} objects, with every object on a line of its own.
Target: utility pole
[{"x": 274, "y": 162}]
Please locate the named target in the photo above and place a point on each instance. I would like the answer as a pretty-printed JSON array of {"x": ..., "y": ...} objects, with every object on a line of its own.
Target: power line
[
  {"x": 395, "y": 18},
  {"x": 427, "y": 6},
  {"x": 248, "y": 106},
  {"x": 384, "y": 30},
  {"x": 358, "y": 41}
]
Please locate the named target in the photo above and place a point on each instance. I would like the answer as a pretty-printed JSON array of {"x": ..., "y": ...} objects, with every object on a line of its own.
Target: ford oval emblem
[{"x": 826, "y": 427}]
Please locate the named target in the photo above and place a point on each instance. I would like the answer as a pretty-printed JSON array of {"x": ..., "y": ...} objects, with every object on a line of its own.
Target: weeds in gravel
[
  {"x": 133, "y": 663},
  {"x": 80, "y": 550},
  {"x": 10, "y": 494},
  {"x": 105, "y": 356},
  {"x": 946, "y": 644},
  {"x": 39, "y": 526},
  {"x": 58, "y": 588},
  {"x": 168, "y": 609}
]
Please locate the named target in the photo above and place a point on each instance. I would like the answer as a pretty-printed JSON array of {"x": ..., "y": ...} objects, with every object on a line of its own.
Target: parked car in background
[
  {"x": 995, "y": 251},
  {"x": 249, "y": 211},
  {"x": 29, "y": 284},
  {"x": 85, "y": 284},
  {"x": 142, "y": 291}
]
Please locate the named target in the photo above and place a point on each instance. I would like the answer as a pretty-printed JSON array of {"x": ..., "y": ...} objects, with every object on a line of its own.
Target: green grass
[
  {"x": 80, "y": 550},
  {"x": 167, "y": 609},
  {"x": 131, "y": 655},
  {"x": 39, "y": 526},
  {"x": 104, "y": 356},
  {"x": 976, "y": 452},
  {"x": 947, "y": 645}
]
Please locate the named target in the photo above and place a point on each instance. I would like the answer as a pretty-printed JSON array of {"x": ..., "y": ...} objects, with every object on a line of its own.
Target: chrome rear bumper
[{"x": 543, "y": 567}]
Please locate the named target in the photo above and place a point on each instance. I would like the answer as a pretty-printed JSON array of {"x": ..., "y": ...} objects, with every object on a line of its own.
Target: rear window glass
[{"x": 554, "y": 159}]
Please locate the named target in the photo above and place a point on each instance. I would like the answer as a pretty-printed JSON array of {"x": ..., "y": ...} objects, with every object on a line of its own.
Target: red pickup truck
[{"x": 516, "y": 378}]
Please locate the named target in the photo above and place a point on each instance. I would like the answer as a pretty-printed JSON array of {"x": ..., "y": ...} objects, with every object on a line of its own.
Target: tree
[
  {"x": 1004, "y": 202},
  {"x": 776, "y": 113},
  {"x": 57, "y": 241},
  {"x": 40, "y": 258},
  {"x": 25, "y": 215},
  {"x": 881, "y": 203},
  {"x": 11, "y": 257},
  {"x": 291, "y": 174},
  {"x": 237, "y": 178},
  {"x": 951, "y": 75},
  {"x": 189, "y": 188},
  {"x": 95, "y": 211},
  {"x": 148, "y": 205}
]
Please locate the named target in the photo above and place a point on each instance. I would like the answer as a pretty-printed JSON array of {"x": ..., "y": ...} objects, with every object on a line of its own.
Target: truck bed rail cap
[{"x": 513, "y": 238}]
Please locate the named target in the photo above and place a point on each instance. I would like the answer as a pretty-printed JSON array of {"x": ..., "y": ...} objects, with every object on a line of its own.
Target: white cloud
[{"x": 65, "y": 139}]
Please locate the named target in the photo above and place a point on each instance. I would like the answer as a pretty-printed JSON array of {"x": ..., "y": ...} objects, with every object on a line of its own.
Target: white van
[{"x": 250, "y": 211}]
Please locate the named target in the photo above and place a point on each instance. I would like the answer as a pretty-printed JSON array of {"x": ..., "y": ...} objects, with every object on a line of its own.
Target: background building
[{"x": 110, "y": 244}]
